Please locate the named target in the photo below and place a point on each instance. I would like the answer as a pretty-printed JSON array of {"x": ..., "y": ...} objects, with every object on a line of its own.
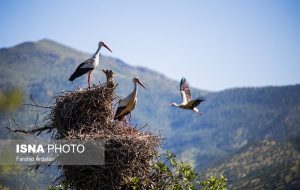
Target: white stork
[
  {"x": 89, "y": 65},
  {"x": 187, "y": 102},
  {"x": 127, "y": 104}
]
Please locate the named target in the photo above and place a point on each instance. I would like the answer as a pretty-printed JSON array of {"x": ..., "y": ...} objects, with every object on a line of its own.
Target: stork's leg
[
  {"x": 197, "y": 111},
  {"x": 131, "y": 128},
  {"x": 130, "y": 119},
  {"x": 89, "y": 77},
  {"x": 125, "y": 121}
]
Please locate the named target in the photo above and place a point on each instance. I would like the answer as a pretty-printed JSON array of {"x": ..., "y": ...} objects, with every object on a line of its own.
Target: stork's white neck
[
  {"x": 135, "y": 87},
  {"x": 97, "y": 52}
]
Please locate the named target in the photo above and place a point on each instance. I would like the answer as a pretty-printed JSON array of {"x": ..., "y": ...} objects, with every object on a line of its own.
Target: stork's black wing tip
[
  {"x": 71, "y": 78},
  {"x": 197, "y": 101},
  {"x": 201, "y": 98},
  {"x": 118, "y": 115},
  {"x": 182, "y": 80}
]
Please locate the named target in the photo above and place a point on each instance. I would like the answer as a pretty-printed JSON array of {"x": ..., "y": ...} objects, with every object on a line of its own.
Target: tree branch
[{"x": 31, "y": 131}]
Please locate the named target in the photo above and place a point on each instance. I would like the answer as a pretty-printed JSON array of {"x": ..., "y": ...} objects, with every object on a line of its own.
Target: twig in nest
[
  {"x": 36, "y": 104},
  {"x": 143, "y": 127}
]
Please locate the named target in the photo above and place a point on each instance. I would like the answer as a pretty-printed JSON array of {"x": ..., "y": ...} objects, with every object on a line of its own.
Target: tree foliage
[
  {"x": 10, "y": 100},
  {"x": 171, "y": 174}
]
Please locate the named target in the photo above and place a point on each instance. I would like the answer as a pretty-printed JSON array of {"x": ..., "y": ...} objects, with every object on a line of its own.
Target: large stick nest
[
  {"x": 85, "y": 111},
  {"x": 125, "y": 157},
  {"x": 88, "y": 115}
]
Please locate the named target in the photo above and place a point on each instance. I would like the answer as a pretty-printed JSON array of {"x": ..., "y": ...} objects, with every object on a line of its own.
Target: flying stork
[
  {"x": 187, "y": 102},
  {"x": 89, "y": 65},
  {"x": 127, "y": 104}
]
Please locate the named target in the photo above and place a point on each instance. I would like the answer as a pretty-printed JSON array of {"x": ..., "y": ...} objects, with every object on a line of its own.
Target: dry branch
[{"x": 31, "y": 131}]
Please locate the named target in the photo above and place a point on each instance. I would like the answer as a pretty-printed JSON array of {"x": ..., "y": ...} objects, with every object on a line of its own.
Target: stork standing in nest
[
  {"x": 187, "y": 102},
  {"x": 89, "y": 65},
  {"x": 127, "y": 104}
]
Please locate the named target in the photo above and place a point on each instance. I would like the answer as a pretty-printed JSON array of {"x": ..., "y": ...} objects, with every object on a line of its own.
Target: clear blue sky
[{"x": 214, "y": 44}]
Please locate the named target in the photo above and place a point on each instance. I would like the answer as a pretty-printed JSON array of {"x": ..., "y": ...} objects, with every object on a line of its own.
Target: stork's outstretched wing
[{"x": 185, "y": 90}]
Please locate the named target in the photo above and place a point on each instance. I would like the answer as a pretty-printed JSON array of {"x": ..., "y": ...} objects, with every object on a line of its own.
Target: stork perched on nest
[
  {"x": 89, "y": 65},
  {"x": 127, "y": 104},
  {"x": 187, "y": 102}
]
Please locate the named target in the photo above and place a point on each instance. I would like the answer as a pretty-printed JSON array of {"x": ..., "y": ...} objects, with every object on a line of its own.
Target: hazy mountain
[
  {"x": 267, "y": 164},
  {"x": 234, "y": 120}
]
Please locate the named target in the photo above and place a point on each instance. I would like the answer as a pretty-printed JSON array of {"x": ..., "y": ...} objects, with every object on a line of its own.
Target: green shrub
[{"x": 171, "y": 174}]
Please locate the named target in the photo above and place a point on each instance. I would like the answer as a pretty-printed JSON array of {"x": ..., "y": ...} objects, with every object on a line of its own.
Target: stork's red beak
[
  {"x": 106, "y": 46},
  {"x": 142, "y": 84}
]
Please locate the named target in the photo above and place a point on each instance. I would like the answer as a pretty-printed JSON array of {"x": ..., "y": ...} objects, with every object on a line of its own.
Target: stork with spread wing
[{"x": 187, "y": 101}]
